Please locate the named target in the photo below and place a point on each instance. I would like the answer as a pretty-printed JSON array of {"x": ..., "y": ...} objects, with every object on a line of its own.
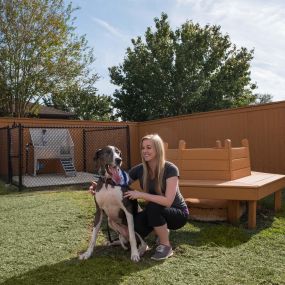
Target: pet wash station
[{"x": 50, "y": 143}]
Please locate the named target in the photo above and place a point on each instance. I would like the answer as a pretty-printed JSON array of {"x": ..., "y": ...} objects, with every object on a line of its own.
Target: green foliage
[
  {"x": 42, "y": 59},
  {"x": 83, "y": 101},
  {"x": 191, "y": 69}
]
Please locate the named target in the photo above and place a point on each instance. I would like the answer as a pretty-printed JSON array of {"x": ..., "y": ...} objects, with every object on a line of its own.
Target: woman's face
[{"x": 148, "y": 150}]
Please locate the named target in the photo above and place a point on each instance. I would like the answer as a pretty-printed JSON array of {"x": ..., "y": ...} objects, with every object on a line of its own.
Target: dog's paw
[
  {"x": 135, "y": 257},
  {"x": 84, "y": 255}
]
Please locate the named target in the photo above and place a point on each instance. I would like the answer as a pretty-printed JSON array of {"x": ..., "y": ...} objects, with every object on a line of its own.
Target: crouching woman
[{"x": 165, "y": 208}]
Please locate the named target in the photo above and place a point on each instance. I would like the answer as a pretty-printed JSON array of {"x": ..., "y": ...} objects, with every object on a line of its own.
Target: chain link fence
[{"x": 41, "y": 156}]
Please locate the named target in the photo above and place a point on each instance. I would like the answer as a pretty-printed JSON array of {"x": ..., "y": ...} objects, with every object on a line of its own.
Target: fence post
[
  {"x": 10, "y": 174},
  {"x": 20, "y": 157},
  {"x": 128, "y": 147},
  {"x": 84, "y": 150}
]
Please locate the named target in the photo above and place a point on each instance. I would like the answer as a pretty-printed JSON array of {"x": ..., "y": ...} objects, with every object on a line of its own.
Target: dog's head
[{"x": 108, "y": 161}]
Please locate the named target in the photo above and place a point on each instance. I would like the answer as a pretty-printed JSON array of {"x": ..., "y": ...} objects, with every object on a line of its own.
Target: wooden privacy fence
[{"x": 263, "y": 126}]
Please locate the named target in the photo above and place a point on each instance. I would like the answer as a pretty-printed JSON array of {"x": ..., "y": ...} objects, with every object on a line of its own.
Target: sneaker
[{"x": 162, "y": 252}]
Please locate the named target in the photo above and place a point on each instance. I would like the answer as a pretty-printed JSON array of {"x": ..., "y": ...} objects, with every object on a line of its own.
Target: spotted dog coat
[{"x": 109, "y": 198}]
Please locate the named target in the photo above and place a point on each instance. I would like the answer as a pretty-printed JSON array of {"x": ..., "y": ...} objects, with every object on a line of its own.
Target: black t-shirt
[{"x": 170, "y": 170}]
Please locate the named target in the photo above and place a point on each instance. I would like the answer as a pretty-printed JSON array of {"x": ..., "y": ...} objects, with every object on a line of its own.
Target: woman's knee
[
  {"x": 153, "y": 209},
  {"x": 141, "y": 224},
  {"x": 155, "y": 214}
]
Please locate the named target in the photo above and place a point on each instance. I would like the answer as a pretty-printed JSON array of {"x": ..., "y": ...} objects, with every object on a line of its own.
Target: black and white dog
[{"x": 109, "y": 197}]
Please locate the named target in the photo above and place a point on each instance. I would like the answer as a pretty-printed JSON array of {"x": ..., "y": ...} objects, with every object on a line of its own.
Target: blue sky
[{"x": 110, "y": 25}]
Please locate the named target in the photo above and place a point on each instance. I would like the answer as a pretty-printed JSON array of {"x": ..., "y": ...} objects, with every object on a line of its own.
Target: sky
[{"x": 109, "y": 26}]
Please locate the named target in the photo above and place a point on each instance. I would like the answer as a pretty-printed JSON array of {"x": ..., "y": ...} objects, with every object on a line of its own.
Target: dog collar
[{"x": 124, "y": 178}]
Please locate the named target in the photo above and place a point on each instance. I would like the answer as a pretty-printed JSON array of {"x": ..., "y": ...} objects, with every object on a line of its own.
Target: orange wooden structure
[
  {"x": 221, "y": 163},
  {"x": 225, "y": 173}
]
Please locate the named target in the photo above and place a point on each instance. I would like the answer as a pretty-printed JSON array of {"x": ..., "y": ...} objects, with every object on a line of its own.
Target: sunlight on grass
[{"x": 42, "y": 233}]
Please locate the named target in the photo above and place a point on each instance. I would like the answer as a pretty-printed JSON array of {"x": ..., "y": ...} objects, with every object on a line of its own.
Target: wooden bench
[{"x": 224, "y": 173}]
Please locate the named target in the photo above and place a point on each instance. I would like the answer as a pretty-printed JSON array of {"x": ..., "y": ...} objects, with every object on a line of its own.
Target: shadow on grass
[
  {"x": 226, "y": 235},
  {"x": 108, "y": 265}
]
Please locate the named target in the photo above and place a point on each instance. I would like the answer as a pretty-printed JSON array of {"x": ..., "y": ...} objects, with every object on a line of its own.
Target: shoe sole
[{"x": 162, "y": 258}]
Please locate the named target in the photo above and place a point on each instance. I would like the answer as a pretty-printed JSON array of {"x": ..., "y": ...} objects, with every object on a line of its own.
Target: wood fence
[{"x": 263, "y": 126}]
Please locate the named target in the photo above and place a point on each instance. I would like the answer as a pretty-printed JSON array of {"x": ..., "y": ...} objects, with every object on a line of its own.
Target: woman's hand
[
  {"x": 133, "y": 195},
  {"x": 92, "y": 188}
]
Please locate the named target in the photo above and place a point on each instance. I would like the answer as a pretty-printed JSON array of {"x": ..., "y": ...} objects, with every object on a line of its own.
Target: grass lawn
[{"x": 42, "y": 232}]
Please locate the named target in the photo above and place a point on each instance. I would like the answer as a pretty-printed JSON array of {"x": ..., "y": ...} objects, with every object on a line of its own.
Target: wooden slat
[
  {"x": 239, "y": 173},
  {"x": 271, "y": 187},
  {"x": 240, "y": 163},
  {"x": 258, "y": 178},
  {"x": 207, "y": 164},
  {"x": 239, "y": 152},
  {"x": 205, "y": 175},
  {"x": 176, "y": 162},
  {"x": 228, "y": 193},
  {"x": 205, "y": 153},
  {"x": 255, "y": 180}
]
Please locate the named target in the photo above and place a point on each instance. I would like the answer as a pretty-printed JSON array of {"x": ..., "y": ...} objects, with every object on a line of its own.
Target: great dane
[{"x": 109, "y": 198}]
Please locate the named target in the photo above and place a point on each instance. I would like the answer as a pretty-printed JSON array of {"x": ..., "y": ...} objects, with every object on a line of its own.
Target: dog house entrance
[{"x": 51, "y": 143}]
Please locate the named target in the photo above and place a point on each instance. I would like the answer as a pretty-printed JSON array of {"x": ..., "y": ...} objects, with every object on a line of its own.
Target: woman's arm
[
  {"x": 167, "y": 200},
  {"x": 92, "y": 187}
]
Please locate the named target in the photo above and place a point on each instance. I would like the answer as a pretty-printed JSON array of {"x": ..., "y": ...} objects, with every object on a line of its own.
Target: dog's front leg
[
  {"x": 96, "y": 228},
  {"x": 132, "y": 238}
]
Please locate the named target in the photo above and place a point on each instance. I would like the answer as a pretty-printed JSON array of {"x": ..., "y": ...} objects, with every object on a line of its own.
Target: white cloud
[{"x": 109, "y": 28}]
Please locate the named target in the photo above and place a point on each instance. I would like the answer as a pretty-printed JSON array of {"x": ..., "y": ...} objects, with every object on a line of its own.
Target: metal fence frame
[{"x": 16, "y": 143}]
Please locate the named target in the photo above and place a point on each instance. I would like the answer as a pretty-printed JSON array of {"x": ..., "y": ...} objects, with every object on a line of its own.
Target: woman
[{"x": 166, "y": 208}]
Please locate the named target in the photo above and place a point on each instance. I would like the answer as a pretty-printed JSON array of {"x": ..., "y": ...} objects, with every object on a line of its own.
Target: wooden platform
[{"x": 250, "y": 188}]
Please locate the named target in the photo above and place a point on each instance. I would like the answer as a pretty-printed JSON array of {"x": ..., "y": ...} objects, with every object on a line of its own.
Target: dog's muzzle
[
  {"x": 114, "y": 173},
  {"x": 119, "y": 176}
]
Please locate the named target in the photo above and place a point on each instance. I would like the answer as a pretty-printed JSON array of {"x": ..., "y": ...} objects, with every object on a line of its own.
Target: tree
[
  {"x": 43, "y": 60},
  {"x": 84, "y": 102},
  {"x": 191, "y": 69},
  {"x": 263, "y": 98}
]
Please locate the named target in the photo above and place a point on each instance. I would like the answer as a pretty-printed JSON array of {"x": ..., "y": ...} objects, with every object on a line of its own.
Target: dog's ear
[
  {"x": 97, "y": 154},
  {"x": 99, "y": 168}
]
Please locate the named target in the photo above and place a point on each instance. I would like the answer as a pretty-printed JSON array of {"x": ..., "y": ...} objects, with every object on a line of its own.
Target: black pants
[{"x": 155, "y": 215}]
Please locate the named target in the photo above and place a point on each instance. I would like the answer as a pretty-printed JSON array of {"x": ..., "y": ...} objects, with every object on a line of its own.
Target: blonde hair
[{"x": 160, "y": 156}]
